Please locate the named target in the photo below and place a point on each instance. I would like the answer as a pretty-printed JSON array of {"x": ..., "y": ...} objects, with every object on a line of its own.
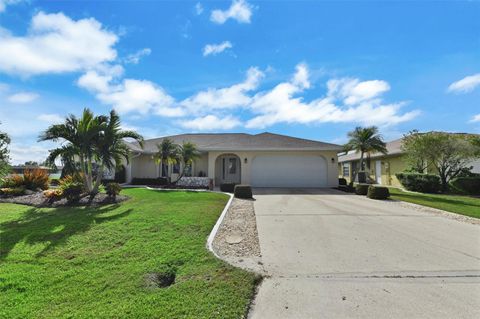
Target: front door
[
  {"x": 231, "y": 169},
  {"x": 378, "y": 171}
]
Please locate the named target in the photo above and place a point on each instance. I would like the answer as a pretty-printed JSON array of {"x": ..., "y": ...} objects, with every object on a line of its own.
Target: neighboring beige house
[
  {"x": 261, "y": 160},
  {"x": 381, "y": 168}
]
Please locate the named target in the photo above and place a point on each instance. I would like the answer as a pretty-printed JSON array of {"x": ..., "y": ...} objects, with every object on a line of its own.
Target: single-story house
[
  {"x": 381, "y": 168},
  {"x": 261, "y": 160}
]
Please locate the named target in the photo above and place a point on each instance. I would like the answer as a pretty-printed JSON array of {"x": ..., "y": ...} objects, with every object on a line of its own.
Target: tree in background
[
  {"x": 168, "y": 153},
  {"x": 188, "y": 154},
  {"x": 365, "y": 140},
  {"x": 448, "y": 154},
  {"x": 4, "y": 158}
]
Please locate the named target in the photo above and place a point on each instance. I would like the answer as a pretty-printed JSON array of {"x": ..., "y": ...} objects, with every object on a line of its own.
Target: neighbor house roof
[{"x": 239, "y": 142}]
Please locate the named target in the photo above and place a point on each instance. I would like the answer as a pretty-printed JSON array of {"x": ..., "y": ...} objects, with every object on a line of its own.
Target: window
[
  {"x": 176, "y": 168},
  {"x": 346, "y": 170},
  {"x": 164, "y": 168},
  {"x": 232, "y": 166}
]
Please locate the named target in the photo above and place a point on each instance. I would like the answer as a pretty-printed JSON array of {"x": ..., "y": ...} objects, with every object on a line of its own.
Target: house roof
[
  {"x": 239, "y": 142},
  {"x": 394, "y": 148}
]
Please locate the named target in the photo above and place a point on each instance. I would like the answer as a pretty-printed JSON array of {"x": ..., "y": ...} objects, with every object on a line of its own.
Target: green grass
[
  {"x": 92, "y": 263},
  {"x": 464, "y": 205}
]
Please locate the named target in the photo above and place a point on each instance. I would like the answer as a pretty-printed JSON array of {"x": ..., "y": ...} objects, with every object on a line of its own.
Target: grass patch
[
  {"x": 464, "y": 205},
  {"x": 94, "y": 262}
]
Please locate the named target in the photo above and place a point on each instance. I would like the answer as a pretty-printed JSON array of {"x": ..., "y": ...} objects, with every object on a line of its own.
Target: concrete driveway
[{"x": 334, "y": 255}]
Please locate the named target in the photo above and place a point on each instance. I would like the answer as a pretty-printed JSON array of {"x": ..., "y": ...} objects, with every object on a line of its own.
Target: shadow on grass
[
  {"x": 436, "y": 199},
  {"x": 52, "y": 227}
]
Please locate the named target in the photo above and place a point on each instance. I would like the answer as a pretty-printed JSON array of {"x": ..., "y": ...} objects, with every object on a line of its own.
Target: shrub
[
  {"x": 53, "y": 195},
  {"x": 378, "y": 192},
  {"x": 361, "y": 189},
  {"x": 35, "y": 178},
  {"x": 416, "y": 182},
  {"x": 227, "y": 187},
  {"x": 346, "y": 188},
  {"x": 13, "y": 181},
  {"x": 13, "y": 191},
  {"x": 160, "y": 181},
  {"x": 342, "y": 182},
  {"x": 242, "y": 191},
  {"x": 120, "y": 174},
  {"x": 71, "y": 188},
  {"x": 113, "y": 189},
  {"x": 466, "y": 185}
]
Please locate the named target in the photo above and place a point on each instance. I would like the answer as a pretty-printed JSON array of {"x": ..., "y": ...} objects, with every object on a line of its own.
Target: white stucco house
[{"x": 261, "y": 160}]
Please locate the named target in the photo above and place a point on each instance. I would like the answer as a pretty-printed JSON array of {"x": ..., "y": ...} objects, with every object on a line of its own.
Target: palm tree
[
  {"x": 188, "y": 154},
  {"x": 110, "y": 148},
  {"x": 168, "y": 153},
  {"x": 365, "y": 140},
  {"x": 4, "y": 158}
]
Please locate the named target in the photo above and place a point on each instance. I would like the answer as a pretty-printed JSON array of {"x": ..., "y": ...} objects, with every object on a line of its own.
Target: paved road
[{"x": 336, "y": 255}]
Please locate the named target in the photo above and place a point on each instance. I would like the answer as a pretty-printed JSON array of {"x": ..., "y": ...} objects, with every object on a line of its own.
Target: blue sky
[{"x": 311, "y": 69}]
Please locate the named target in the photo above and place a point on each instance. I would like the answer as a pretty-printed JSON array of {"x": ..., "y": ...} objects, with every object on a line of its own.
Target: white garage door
[{"x": 289, "y": 171}]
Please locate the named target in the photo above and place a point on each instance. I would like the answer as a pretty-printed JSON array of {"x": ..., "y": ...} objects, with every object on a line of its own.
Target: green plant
[
  {"x": 466, "y": 185},
  {"x": 53, "y": 195},
  {"x": 13, "y": 181},
  {"x": 36, "y": 178},
  {"x": 12, "y": 191},
  {"x": 227, "y": 187},
  {"x": 361, "y": 189},
  {"x": 71, "y": 189},
  {"x": 242, "y": 191},
  {"x": 378, "y": 192},
  {"x": 423, "y": 183},
  {"x": 113, "y": 189}
]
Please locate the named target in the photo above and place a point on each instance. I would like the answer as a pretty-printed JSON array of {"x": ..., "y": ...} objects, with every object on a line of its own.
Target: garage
[{"x": 289, "y": 171}]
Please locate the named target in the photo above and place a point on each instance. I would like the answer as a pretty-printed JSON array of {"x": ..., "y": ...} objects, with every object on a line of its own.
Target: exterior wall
[
  {"x": 201, "y": 165},
  {"x": 476, "y": 166},
  {"x": 144, "y": 166},
  {"x": 332, "y": 173}
]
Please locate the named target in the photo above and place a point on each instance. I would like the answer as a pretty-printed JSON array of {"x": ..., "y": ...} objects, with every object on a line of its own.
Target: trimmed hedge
[
  {"x": 160, "y": 181},
  {"x": 227, "y": 187},
  {"x": 342, "y": 182},
  {"x": 361, "y": 189},
  {"x": 466, "y": 185},
  {"x": 416, "y": 182},
  {"x": 243, "y": 191},
  {"x": 378, "y": 192}
]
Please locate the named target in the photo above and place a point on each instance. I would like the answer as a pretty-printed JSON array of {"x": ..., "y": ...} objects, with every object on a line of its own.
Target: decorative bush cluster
[
  {"x": 466, "y": 185},
  {"x": 243, "y": 191},
  {"x": 361, "y": 189},
  {"x": 113, "y": 189},
  {"x": 227, "y": 187},
  {"x": 72, "y": 188},
  {"x": 53, "y": 195},
  {"x": 378, "y": 192},
  {"x": 36, "y": 178},
  {"x": 424, "y": 183},
  {"x": 12, "y": 191}
]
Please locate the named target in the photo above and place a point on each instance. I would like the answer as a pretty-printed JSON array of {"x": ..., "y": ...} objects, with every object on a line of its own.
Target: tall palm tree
[
  {"x": 365, "y": 140},
  {"x": 168, "y": 153},
  {"x": 188, "y": 154},
  {"x": 110, "y": 148}
]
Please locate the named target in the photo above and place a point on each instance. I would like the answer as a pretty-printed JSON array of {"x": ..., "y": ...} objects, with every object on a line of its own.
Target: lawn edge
[{"x": 215, "y": 228}]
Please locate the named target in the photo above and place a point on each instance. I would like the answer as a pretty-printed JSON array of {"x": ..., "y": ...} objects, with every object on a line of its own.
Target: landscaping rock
[
  {"x": 39, "y": 200},
  {"x": 234, "y": 239}
]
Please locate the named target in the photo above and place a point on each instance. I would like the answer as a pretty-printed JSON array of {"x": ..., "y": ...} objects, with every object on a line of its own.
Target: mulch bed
[{"x": 39, "y": 200}]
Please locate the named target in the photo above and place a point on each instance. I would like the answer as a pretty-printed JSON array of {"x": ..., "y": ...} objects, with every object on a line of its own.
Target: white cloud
[
  {"x": 198, "y": 8},
  {"x": 225, "y": 98},
  {"x": 5, "y": 3},
  {"x": 282, "y": 104},
  {"x": 211, "y": 123},
  {"x": 475, "y": 119},
  {"x": 239, "y": 10},
  {"x": 22, "y": 97},
  {"x": 135, "y": 57},
  {"x": 214, "y": 49},
  {"x": 21, "y": 153},
  {"x": 51, "y": 118},
  {"x": 56, "y": 44},
  {"x": 465, "y": 85}
]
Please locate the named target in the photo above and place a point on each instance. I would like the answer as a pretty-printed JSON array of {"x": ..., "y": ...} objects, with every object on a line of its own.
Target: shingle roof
[{"x": 239, "y": 142}]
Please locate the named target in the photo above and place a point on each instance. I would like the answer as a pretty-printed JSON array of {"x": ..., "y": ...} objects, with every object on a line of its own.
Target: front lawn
[
  {"x": 463, "y": 205},
  {"x": 95, "y": 263}
]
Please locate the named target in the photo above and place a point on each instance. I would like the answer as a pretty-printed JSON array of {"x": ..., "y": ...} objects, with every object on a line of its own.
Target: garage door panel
[{"x": 289, "y": 171}]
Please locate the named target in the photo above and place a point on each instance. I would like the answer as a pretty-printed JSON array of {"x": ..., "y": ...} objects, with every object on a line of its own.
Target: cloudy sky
[{"x": 311, "y": 69}]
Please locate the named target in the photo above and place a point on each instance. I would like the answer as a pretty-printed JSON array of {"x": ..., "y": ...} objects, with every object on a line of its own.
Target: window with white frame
[{"x": 346, "y": 169}]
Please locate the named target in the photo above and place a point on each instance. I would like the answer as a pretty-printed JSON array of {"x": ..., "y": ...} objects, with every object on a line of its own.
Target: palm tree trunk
[
  {"x": 98, "y": 181},
  {"x": 361, "y": 165},
  {"x": 181, "y": 174}
]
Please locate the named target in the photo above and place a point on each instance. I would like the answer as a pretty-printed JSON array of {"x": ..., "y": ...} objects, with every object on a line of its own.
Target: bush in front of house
[
  {"x": 361, "y": 189},
  {"x": 36, "y": 178},
  {"x": 227, "y": 187},
  {"x": 466, "y": 185},
  {"x": 71, "y": 188},
  {"x": 423, "y": 183},
  {"x": 12, "y": 191},
  {"x": 53, "y": 195},
  {"x": 243, "y": 191},
  {"x": 12, "y": 181},
  {"x": 113, "y": 189},
  {"x": 378, "y": 192},
  {"x": 160, "y": 181},
  {"x": 342, "y": 182}
]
